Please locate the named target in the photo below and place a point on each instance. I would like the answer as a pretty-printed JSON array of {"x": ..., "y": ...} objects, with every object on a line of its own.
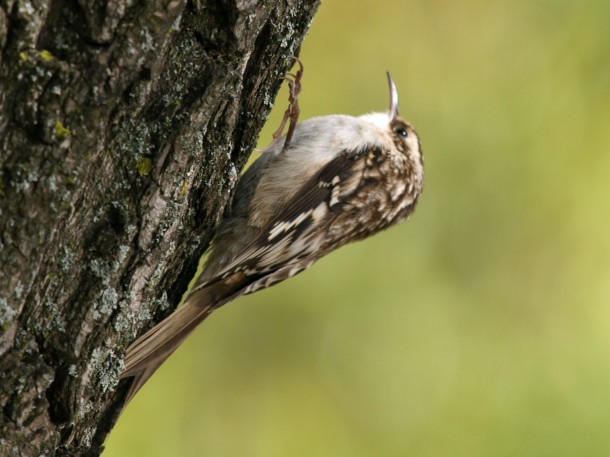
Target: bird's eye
[{"x": 402, "y": 132}]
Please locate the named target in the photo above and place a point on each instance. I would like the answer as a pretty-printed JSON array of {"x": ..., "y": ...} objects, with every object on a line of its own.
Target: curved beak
[{"x": 393, "y": 98}]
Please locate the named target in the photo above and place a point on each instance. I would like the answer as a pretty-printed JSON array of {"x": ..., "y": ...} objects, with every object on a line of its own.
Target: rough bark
[{"x": 123, "y": 129}]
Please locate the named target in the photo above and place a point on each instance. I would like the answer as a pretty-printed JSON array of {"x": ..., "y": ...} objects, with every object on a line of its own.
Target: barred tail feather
[
  {"x": 146, "y": 354},
  {"x": 149, "y": 351}
]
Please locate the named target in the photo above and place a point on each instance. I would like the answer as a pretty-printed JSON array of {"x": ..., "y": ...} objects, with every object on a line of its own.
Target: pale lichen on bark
[{"x": 123, "y": 128}]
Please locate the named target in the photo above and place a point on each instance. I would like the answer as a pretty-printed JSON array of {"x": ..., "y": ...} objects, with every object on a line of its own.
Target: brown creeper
[{"x": 340, "y": 179}]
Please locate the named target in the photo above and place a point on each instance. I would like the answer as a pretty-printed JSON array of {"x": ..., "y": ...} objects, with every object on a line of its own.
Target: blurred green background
[{"x": 479, "y": 328}]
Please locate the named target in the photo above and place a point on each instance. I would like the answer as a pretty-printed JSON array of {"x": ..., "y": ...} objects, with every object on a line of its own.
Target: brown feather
[
  {"x": 149, "y": 351},
  {"x": 146, "y": 354}
]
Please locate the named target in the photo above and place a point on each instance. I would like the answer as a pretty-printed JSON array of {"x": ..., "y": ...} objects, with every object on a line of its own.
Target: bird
[{"x": 336, "y": 179}]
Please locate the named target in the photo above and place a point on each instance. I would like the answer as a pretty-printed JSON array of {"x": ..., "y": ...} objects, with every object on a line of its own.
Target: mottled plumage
[{"x": 340, "y": 179}]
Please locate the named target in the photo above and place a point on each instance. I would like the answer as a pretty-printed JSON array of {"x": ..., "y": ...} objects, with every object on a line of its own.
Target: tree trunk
[{"x": 123, "y": 129}]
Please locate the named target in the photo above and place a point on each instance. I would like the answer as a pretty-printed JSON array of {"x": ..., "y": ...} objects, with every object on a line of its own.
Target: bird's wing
[{"x": 298, "y": 230}]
